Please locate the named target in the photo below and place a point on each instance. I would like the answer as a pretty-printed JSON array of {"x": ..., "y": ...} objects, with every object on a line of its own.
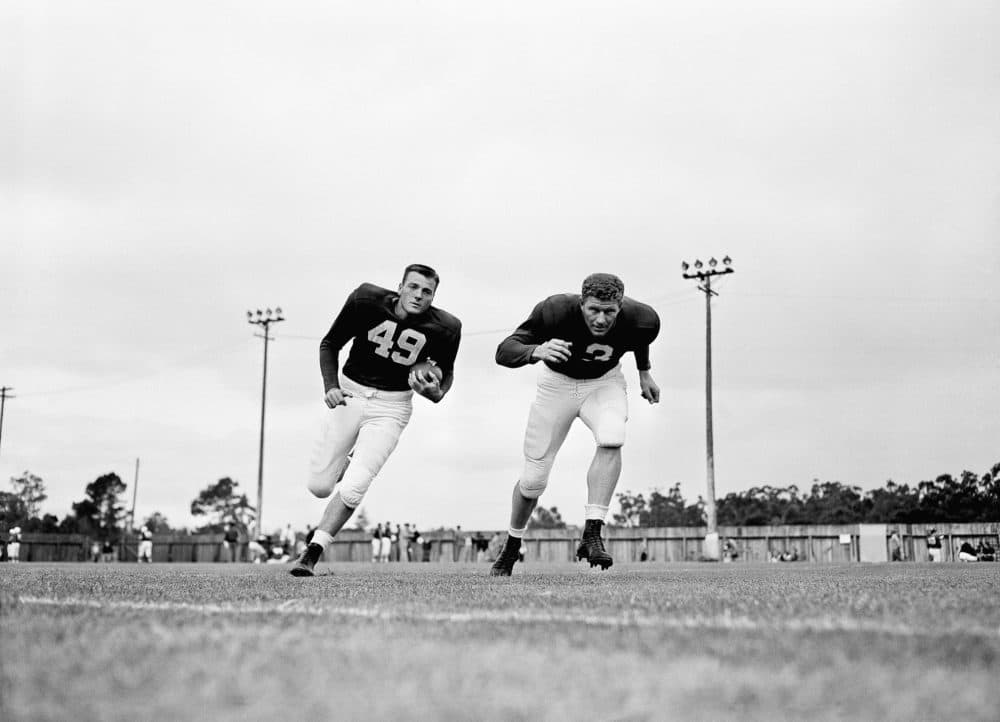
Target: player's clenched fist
[
  {"x": 650, "y": 391},
  {"x": 555, "y": 350},
  {"x": 336, "y": 397}
]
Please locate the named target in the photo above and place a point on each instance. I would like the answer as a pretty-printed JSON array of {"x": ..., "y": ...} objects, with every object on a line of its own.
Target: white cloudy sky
[{"x": 166, "y": 166}]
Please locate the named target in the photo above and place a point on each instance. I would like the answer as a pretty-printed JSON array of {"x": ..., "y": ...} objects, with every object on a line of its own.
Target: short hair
[
  {"x": 604, "y": 287},
  {"x": 423, "y": 271}
]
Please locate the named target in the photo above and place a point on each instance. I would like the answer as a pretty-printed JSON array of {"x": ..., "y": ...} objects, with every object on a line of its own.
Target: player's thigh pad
[
  {"x": 605, "y": 411},
  {"x": 376, "y": 440},
  {"x": 551, "y": 415},
  {"x": 338, "y": 433}
]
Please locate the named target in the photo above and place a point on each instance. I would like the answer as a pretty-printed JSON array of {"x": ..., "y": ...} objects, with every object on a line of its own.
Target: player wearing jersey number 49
[
  {"x": 395, "y": 334},
  {"x": 580, "y": 340}
]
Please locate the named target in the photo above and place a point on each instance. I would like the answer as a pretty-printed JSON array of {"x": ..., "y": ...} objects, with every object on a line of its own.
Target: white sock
[
  {"x": 595, "y": 511},
  {"x": 322, "y": 538},
  {"x": 519, "y": 533}
]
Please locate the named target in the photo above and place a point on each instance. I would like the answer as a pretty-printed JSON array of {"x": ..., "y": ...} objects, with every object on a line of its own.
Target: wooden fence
[{"x": 835, "y": 543}]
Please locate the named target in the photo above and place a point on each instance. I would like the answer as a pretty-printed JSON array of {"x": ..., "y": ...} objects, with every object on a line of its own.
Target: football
[{"x": 423, "y": 368}]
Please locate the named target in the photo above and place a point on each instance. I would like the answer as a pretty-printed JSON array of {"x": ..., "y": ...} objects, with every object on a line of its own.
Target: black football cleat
[
  {"x": 592, "y": 547},
  {"x": 306, "y": 562},
  {"x": 504, "y": 564}
]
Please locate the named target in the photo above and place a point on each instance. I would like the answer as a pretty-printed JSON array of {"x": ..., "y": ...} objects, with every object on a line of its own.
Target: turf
[{"x": 554, "y": 642}]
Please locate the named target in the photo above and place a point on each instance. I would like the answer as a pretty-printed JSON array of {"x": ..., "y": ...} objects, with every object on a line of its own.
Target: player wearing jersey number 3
[
  {"x": 580, "y": 339},
  {"x": 370, "y": 401}
]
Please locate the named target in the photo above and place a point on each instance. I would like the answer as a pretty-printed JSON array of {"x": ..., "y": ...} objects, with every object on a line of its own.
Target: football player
[
  {"x": 370, "y": 400},
  {"x": 580, "y": 340}
]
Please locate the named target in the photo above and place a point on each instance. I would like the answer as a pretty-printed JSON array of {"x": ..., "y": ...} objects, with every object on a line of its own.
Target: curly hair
[{"x": 604, "y": 287}]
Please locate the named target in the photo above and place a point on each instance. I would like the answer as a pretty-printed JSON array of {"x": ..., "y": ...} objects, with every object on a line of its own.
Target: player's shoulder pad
[
  {"x": 640, "y": 315},
  {"x": 554, "y": 308},
  {"x": 369, "y": 292},
  {"x": 447, "y": 321}
]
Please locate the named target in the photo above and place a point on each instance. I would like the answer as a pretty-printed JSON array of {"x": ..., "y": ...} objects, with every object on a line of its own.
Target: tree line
[
  {"x": 101, "y": 513},
  {"x": 967, "y": 497}
]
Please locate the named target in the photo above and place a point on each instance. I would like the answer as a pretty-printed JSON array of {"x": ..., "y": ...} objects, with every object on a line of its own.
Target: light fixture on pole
[
  {"x": 705, "y": 277},
  {"x": 264, "y": 319}
]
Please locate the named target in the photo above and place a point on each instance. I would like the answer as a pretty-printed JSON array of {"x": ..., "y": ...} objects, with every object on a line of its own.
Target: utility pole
[
  {"x": 264, "y": 319},
  {"x": 705, "y": 276},
  {"x": 135, "y": 493},
  {"x": 4, "y": 395}
]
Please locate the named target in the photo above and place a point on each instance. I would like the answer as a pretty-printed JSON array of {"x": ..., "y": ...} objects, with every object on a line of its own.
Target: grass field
[{"x": 555, "y": 642}]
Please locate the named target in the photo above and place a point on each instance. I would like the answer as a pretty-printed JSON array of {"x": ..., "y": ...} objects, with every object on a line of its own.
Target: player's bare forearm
[{"x": 650, "y": 391}]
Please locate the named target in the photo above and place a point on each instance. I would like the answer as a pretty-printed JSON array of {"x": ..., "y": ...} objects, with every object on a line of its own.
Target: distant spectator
[
  {"x": 145, "y": 545},
  {"x": 934, "y": 545},
  {"x": 277, "y": 555},
  {"x": 257, "y": 550},
  {"x": 287, "y": 539},
  {"x": 376, "y": 542},
  {"x": 397, "y": 544},
  {"x": 107, "y": 551},
  {"x": 458, "y": 541},
  {"x": 895, "y": 547},
  {"x": 481, "y": 544},
  {"x": 425, "y": 546},
  {"x": 967, "y": 553},
  {"x": 404, "y": 543},
  {"x": 231, "y": 543},
  {"x": 14, "y": 545},
  {"x": 985, "y": 551},
  {"x": 643, "y": 551},
  {"x": 385, "y": 546},
  {"x": 95, "y": 551},
  {"x": 415, "y": 543},
  {"x": 467, "y": 549},
  {"x": 729, "y": 552}
]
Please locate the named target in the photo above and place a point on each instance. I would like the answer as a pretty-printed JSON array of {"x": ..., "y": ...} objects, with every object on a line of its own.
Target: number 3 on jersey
[{"x": 409, "y": 343}]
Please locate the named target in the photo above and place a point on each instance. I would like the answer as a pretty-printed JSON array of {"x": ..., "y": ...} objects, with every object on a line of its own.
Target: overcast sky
[{"x": 167, "y": 166}]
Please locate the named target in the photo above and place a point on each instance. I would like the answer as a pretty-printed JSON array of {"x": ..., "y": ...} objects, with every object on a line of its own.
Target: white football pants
[
  {"x": 370, "y": 424},
  {"x": 601, "y": 403}
]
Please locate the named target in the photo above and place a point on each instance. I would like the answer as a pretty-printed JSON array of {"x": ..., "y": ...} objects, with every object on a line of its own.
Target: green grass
[{"x": 420, "y": 641}]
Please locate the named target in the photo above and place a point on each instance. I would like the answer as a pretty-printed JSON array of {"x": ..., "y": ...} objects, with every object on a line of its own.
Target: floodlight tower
[
  {"x": 705, "y": 277},
  {"x": 4, "y": 395},
  {"x": 264, "y": 319}
]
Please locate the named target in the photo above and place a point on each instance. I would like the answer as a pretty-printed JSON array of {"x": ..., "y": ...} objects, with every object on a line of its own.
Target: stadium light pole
[
  {"x": 4, "y": 395},
  {"x": 705, "y": 277},
  {"x": 264, "y": 319}
]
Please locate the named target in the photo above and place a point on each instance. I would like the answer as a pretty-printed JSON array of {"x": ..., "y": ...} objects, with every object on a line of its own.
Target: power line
[{"x": 139, "y": 377}]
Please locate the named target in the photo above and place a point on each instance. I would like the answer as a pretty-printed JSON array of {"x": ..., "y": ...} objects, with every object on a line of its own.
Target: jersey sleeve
[
  {"x": 342, "y": 331},
  {"x": 515, "y": 350},
  {"x": 447, "y": 360},
  {"x": 647, "y": 329}
]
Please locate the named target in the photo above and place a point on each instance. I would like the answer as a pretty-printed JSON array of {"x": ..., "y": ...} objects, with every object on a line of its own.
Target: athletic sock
[
  {"x": 322, "y": 538},
  {"x": 516, "y": 533},
  {"x": 595, "y": 511}
]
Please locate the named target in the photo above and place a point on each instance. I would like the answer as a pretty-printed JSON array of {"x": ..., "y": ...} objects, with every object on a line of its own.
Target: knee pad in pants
[{"x": 535, "y": 477}]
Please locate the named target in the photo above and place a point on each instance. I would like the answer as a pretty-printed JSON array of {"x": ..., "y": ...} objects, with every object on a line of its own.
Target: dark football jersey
[
  {"x": 591, "y": 356},
  {"x": 386, "y": 347}
]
